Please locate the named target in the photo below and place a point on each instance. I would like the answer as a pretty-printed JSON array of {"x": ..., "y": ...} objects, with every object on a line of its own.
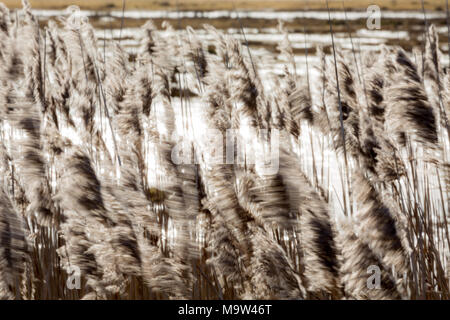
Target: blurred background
[
  {"x": 402, "y": 21},
  {"x": 231, "y": 4}
]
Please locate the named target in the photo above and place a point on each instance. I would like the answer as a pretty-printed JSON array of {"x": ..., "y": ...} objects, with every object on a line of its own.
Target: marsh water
[{"x": 307, "y": 28}]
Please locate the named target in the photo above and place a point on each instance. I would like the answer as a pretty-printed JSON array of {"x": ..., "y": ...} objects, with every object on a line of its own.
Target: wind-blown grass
[{"x": 89, "y": 180}]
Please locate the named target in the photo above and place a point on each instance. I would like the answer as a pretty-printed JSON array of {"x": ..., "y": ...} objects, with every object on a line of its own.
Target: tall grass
[{"x": 89, "y": 180}]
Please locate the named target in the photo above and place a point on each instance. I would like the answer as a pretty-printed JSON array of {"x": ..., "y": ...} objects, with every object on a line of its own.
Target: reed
[{"x": 90, "y": 182}]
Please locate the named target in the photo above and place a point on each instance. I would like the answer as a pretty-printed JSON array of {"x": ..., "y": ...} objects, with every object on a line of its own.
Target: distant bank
[{"x": 229, "y": 4}]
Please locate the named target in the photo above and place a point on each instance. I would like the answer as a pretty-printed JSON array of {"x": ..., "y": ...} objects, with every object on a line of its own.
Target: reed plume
[{"x": 188, "y": 169}]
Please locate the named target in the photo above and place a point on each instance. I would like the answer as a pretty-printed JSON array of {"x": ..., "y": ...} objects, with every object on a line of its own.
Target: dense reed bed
[{"x": 111, "y": 166}]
